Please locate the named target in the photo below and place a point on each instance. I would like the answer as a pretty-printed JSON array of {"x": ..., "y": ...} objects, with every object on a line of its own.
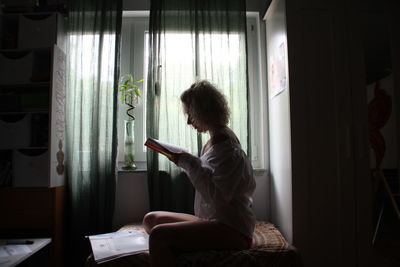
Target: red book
[{"x": 162, "y": 147}]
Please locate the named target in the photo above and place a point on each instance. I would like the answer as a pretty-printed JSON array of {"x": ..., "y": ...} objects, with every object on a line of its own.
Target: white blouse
[{"x": 224, "y": 182}]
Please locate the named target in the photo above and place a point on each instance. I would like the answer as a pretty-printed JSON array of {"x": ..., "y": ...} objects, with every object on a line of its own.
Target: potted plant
[{"x": 129, "y": 94}]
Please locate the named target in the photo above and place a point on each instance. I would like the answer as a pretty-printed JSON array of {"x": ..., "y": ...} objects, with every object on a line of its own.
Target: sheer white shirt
[{"x": 224, "y": 182}]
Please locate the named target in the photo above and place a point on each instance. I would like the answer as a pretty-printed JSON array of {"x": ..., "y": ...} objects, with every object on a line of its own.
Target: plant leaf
[{"x": 137, "y": 91}]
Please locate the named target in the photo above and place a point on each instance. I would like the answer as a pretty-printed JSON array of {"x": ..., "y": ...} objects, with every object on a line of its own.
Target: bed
[{"x": 269, "y": 249}]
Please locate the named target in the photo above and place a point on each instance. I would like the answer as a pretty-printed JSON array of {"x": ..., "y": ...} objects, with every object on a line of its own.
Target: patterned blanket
[{"x": 269, "y": 249}]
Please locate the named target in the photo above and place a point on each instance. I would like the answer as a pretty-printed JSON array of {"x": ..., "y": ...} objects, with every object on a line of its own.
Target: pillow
[{"x": 267, "y": 235}]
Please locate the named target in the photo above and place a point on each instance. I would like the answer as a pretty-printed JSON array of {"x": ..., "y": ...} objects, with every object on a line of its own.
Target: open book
[
  {"x": 162, "y": 147},
  {"x": 114, "y": 245}
]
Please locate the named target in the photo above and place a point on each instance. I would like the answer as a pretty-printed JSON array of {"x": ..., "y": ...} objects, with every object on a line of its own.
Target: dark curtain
[
  {"x": 93, "y": 41},
  {"x": 191, "y": 40}
]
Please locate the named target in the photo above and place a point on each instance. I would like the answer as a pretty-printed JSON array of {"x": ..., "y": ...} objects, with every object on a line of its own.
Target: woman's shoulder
[
  {"x": 225, "y": 150},
  {"x": 223, "y": 135}
]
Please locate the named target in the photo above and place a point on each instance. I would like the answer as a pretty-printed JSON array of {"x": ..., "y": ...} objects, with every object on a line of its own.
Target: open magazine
[
  {"x": 162, "y": 147},
  {"x": 114, "y": 245}
]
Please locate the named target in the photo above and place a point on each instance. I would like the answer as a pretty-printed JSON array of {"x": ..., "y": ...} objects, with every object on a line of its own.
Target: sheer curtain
[
  {"x": 191, "y": 40},
  {"x": 92, "y": 75}
]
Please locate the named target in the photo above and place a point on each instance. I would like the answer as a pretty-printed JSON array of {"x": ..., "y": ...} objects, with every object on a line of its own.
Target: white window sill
[{"x": 141, "y": 167}]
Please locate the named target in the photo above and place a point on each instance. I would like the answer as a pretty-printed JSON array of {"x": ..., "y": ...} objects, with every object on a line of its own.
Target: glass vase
[{"x": 129, "y": 151}]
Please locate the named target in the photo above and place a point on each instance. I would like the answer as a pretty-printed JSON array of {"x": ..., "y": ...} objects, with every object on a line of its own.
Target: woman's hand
[{"x": 175, "y": 157}]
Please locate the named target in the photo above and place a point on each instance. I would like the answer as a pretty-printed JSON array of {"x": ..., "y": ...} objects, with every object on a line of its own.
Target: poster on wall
[{"x": 277, "y": 71}]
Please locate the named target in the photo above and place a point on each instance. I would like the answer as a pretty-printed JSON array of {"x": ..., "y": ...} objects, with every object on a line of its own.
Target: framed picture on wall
[{"x": 277, "y": 70}]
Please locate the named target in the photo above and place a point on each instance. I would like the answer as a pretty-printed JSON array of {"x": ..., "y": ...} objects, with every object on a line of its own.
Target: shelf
[
  {"x": 32, "y": 13},
  {"x": 24, "y": 86},
  {"x": 32, "y": 161},
  {"x": 33, "y": 148},
  {"x": 42, "y": 148},
  {"x": 21, "y": 50},
  {"x": 34, "y": 212},
  {"x": 44, "y": 111}
]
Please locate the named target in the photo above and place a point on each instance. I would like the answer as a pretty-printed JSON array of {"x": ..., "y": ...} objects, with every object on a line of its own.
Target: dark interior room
[{"x": 107, "y": 159}]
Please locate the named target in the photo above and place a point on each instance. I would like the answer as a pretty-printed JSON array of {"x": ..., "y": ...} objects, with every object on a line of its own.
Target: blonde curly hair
[{"x": 206, "y": 104}]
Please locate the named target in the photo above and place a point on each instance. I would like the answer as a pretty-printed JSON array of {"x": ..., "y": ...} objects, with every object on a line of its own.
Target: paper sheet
[
  {"x": 11, "y": 250},
  {"x": 113, "y": 245}
]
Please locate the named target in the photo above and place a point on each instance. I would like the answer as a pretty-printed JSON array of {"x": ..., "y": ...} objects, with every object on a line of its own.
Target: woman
[{"x": 224, "y": 182}]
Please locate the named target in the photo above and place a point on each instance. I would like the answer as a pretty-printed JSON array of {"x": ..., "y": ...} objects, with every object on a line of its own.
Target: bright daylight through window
[{"x": 134, "y": 54}]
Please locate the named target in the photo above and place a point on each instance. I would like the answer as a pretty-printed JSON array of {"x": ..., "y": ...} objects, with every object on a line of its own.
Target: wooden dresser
[{"x": 34, "y": 212}]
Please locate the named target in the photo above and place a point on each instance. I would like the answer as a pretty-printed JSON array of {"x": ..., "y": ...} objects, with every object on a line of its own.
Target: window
[
  {"x": 258, "y": 93},
  {"x": 93, "y": 86},
  {"x": 133, "y": 60}
]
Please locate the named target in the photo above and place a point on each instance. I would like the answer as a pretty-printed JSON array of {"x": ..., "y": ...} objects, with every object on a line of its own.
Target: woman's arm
[{"x": 215, "y": 178}]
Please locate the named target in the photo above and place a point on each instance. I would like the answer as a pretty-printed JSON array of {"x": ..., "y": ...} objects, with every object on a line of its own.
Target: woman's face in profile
[{"x": 200, "y": 127}]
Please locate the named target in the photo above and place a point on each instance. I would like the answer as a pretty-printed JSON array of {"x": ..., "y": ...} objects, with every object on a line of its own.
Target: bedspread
[{"x": 269, "y": 249}]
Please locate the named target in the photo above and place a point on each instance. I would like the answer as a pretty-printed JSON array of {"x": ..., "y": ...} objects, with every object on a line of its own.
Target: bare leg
[
  {"x": 170, "y": 238},
  {"x": 154, "y": 218}
]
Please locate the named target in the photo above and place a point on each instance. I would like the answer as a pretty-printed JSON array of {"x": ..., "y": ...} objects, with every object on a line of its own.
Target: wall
[
  {"x": 251, "y": 5},
  {"x": 329, "y": 140},
  {"x": 257, "y": 5},
  {"x": 394, "y": 21},
  {"x": 131, "y": 195},
  {"x": 132, "y": 199},
  {"x": 279, "y": 120},
  {"x": 136, "y": 4},
  {"x": 261, "y": 196}
]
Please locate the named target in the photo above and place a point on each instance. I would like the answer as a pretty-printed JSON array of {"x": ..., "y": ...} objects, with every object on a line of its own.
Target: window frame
[
  {"x": 258, "y": 100},
  {"x": 134, "y": 26},
  {"x": 134, "y": 23}
]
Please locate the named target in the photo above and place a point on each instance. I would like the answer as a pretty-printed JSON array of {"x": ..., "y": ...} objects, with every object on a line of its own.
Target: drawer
[
  {"x": 15, "y": 131},
  {"x": 37, "y": 30},
  {"x": 19, "y": 3},
  {"x": 10, "y": 102},
  {"x": 26, "y": 208},
  {"x": 25, "y": 199},
  {"x": 27, "y": 219},
  {"x": 30, "y": 168},
  {"x": 8, "y": 31},
  {"x": 16, "y": 68}
]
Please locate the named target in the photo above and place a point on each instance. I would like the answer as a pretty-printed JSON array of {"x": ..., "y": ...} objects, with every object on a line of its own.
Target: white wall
[
  {"x": 279, "y": 124},
  {"x": 261, "y": 196},
  {"x": 136, "y": 4},
  {"x": 251, "y": 5},
  {"x": 132, "y": 199}
]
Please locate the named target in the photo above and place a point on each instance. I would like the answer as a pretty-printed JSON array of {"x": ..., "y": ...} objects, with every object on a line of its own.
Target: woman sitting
[{"x": 223, "y": 180}]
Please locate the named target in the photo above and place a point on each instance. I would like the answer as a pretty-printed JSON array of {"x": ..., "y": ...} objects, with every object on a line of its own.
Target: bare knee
[
  {"x": 157, "y": 236},
  {"x": 161, "y": 238},
  {"x": 155, "y": 218},
  {"x": 150, "y": 220},
  {"x": 161, "y": 251}
]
